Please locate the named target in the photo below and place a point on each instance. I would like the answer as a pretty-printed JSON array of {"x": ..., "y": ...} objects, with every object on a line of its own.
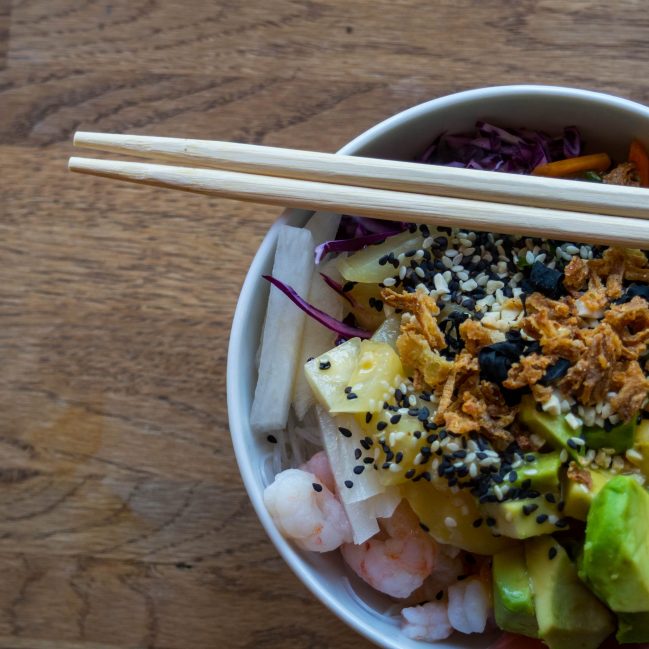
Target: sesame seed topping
[
  {"x": 317, "y": 487},
  {"x": 272, "y": 439},
  {"x": 349, "y": 484},
  {"x": 541, "y": 518},
  {"x": 359, "y": 469},
  {"x": 345, "y": 432},
  {"x": 552, "y": 552}
]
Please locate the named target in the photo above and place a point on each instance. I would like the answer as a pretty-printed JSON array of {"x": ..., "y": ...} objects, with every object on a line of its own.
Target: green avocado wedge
[
  {"x": 512, "y": 592},
  {"x": 619, "y": 438},
  {"x": 568, "y": 614},
  {"x": 632, "y": 627},
  {"x": 615, "y": 561}
]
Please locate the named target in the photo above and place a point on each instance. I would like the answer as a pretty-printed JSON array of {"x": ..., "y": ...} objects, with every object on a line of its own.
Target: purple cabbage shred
[
  {"x": 510, "y": 150},
  {"x": 359, "y": 241},
  {"x": 343, "y": 330}
]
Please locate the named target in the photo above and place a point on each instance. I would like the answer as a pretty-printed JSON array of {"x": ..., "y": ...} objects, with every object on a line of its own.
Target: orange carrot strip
[
  {"x": 638, "y": 155},
  {"x": 572, "y": 166}
]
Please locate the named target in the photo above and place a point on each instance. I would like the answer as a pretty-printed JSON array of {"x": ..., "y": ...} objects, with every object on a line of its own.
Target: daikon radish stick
[{"x": 283, "y": 327}]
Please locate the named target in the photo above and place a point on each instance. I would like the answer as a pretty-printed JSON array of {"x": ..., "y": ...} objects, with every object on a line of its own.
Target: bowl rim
[{"x": 237, "y": 418}]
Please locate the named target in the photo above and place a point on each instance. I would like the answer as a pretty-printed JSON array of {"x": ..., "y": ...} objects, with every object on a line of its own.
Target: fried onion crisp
[
  {"x": 476, "y": 336},
  {"x": 577, "y": 474},
  {"x": 575, "y": 274},
  {"x": 424, "y": 308},
  {"x": 528, "y": 371},
  {"x": 632, "y": 392}
]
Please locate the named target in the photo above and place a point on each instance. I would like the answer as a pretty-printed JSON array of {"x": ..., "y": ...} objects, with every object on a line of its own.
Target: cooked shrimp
[
  {"x": 428, "y": 622},
  {"x": 469, "y": 604},
  {"x": 397, "y": 560},
  {"x": 319, "y": 466},
  {"x": 306, "y": 511}
]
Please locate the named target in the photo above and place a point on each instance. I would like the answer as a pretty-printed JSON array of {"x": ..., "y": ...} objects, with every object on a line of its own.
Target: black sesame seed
[
  {"x": 385, "y": 465},
  {"x": 490, "y": 521},
  {"x": 348, "y": 286},
  {"x": 459, "y": 454},
  {"x": 526, "y": 484},
  {"x": 325, "y": 365},
  {"x": 424, "y": 527},
  {"x": 572, "y": 444},
  {"x": 345, "y": 432},
  {"x": 426, "y": 476},
  {"x": 550, "y": 498},
  {"x": 351, "y": 396},
  {"x": 348, "y": 389},
  {"x": 349, "y": 484},
  {"x": 272, "y": 439},
  {"x": 417, "y": 434},
  {"x": 368, "y": 417},
  {"x": 477, "y": 522},
  {"x": 424, "y": 413},
  {"x": 513, "y": 476},
  {"x": 552, "y": 552},
  {"x": 562, "y": 522},
  {"x": 317, "y": 487},
  {"x": 357, "y": 453},
  {"x": 561, "y": 505},
  {"x": 528, "y": 509},
  {"x": 439, "y": 595},
  {"x": 381, "y": 425},
  {"x": 359, "y": 469},
  {"x": 398, "y": 457},
  {"x": 395, "y": 419},
  {"x": 410, "y": 473},
  {"x": 431, "y": 438},
  {"x": 541, "y": 518},
  {"x": 530, "y": 457}
]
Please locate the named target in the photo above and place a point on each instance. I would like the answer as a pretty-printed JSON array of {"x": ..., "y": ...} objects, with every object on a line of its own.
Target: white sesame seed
[
  {"x": 419, "y": 254},
  {"x": 401, "y": 257},
  {"x": 465, "y": 242},
  {"x": 498, "y": 492},
  {"x": 617, "y": 464},
  {"x": 541, "y": 257},
  {"x": 420, "y": 271},
  {"x": 570, "y": 249},
  {"x": 403, "y": 388},
  {"x": 468, "y": 285},
  {"x": 402, "y": 272},
  {"x": 529, "y": 257},
  {"x": 494, "y": 285},
  {"x": 634, "y": 456},
  {"x": 463, "y": 276},
  {"x": 578, "y": 441},
  {"x": 440, "y": 283},
  {"x": 450, "y": 253},
  {"x": 395, "y": 468},
  {"x": 468, "y": 251},
  {"x": 428, "y": 242},
  {"x": 473, "y": 470},
  {"x": 412, "y": 400},
  {"x": 572, "y": 420},
  {"x": 434, "y": 447},
  {"x": 450, "y": 522},
  {"x": 563, "y": 456},
  {"x": 389, "y": 281},
  {"x": 447, "y": 275},
  {"x": 452, "y": 446},
  {"x": 447, "y": 262},
  {"x": 418, "y": 458},
  {"x": 583, "y": 252}
]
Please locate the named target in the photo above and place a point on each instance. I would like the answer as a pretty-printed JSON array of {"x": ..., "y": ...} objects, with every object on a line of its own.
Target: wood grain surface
[{"x": 123, "y": 521}]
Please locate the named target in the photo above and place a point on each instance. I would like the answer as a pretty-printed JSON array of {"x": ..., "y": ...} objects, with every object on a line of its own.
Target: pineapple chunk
[
  {"x": 330, "y": 373},
  {"x": 363, "y": 266},
  {"x": 389, "y": 331},
  {"x": 450, "y": 516},
  {"x": 367, "y": 316},
  {"x": 402, "y": 442},
  {"x": 378, "y": 370}
]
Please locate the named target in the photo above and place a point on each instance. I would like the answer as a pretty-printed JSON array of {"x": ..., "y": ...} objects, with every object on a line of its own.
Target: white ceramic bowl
[{"x": 606, "y": 123}]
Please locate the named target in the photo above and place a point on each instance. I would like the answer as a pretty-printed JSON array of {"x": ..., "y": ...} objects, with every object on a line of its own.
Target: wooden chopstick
[
  {"x": 410, "y": 177},
  {"x": 379, "y": 203}
]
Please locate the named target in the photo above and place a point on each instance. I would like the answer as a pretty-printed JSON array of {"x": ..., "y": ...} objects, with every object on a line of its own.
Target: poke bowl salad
[{"x": 461, "y": 416}]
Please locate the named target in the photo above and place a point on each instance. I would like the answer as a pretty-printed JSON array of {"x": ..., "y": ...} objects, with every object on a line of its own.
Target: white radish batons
[
  {"x": 316, "y": 340},
  {"x": 323, "y": 226},
  {"x": 363, "y": 515},
  {"x": 282, "y": 328},
  {"x": 340, "y": 438}
]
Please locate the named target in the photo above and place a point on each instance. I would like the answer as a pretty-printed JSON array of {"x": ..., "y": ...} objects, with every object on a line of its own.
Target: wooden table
[{"x": 123, "y": 521}]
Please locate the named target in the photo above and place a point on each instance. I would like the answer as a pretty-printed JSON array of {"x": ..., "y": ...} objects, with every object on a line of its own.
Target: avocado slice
[
  {"x": 620, "y": 437},
  {"x": 552, "y": 428},
  {"x": 512, "y": 592},
  {"x": 568, "y": 614},
  {"x": 524, "y": 518},
  {"x": 641, "y": 445},
  {"x": 542, "y": 473},
  {"x": 632, "y": 627},
  {"x": 615, "y": 561},
  {"x": 578, "y": 497}
]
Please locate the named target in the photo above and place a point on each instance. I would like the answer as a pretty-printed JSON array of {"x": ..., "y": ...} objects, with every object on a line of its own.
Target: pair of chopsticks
[{"x": 385, "y": 189}]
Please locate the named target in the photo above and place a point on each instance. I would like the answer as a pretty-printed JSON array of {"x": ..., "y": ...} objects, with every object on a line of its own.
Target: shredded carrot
[
  {"x": 573, "y": 166},
  {"x": 638, "y": 155}
]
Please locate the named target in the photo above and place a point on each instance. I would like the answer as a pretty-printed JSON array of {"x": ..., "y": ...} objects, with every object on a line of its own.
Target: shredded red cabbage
[
  {"x": 342, "y": 329},
  {"x": 511, "y": 150},
  {"x": 358, "y": 241},
  {"x": 336, "y": 286}
]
